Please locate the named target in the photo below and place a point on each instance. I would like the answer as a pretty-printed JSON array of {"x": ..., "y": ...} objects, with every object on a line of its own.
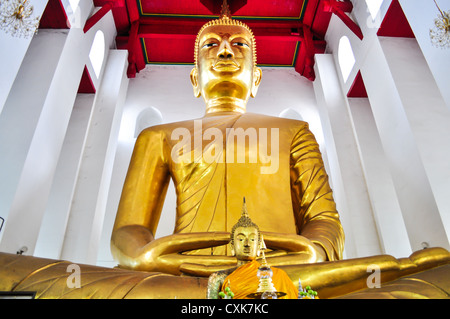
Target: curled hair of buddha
[
  {"x": 225, "y": 19},
  {"x": 244, "y": 221}
]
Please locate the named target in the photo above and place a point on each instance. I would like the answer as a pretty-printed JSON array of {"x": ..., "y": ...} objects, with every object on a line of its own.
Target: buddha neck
[{"x": 225, "y": 104}]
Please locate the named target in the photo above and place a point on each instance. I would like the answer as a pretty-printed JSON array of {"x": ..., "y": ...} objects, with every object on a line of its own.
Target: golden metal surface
[
  {"x": 213, "y": 162},
  {"x": 425, "y": 274}
]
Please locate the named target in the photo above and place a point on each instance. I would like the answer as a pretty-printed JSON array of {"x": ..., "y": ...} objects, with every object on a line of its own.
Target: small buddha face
[
  {"x": 246, "y": 243},
  {"x": 225, "y": 66}
]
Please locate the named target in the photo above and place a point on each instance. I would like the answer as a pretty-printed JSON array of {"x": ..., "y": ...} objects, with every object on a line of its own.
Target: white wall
[{"x": 421, "y": 17}]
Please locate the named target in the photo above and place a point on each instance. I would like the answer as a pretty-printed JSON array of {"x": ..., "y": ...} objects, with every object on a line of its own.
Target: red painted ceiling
[{"x": 287, "y": 32}]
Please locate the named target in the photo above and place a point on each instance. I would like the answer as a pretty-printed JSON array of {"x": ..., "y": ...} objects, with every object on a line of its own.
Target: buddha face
[
  {"x": 246, "y": 243},
  {"x": 225, "y": 66}
]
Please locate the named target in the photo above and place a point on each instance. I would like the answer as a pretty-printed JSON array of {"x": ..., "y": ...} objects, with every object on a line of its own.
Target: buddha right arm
[
  {"x": 142, "y": 197},
  {"x": 134, "y": 248}
]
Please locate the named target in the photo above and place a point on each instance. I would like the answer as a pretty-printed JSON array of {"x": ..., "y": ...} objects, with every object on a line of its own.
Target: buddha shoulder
[{"x": 262, "y": 118}]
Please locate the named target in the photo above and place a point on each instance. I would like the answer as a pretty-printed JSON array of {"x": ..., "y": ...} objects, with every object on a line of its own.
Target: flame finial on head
[
  {"x": 244, "y": 209},
  {"x": 225, "y": 12}
]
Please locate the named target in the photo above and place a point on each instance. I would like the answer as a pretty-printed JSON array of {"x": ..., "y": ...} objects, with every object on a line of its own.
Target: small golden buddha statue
[
  {"x": 250, "y": 279},
  {"x": 215, "y": 159}
]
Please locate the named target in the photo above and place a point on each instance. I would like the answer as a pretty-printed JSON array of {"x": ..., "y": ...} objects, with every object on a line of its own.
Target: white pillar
[
  {"x": 407, "y": 111},
  {"x": 387, "y": 211},
  {"x": 349, "y": 187},
  {"x": 32, "y": 129},
  {"x": 54, "y": 223},
  {"x": 89, "y": 203},
  {"x": 428, "y": 117}
]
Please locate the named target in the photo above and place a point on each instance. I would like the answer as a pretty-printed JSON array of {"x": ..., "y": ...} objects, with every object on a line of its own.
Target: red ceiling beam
[
  {"x": 105, "y": 8},
  {"x": 132, "y": 47},
  {"x": 340, "y": 8},
  {"x": 310, "y": 51}
]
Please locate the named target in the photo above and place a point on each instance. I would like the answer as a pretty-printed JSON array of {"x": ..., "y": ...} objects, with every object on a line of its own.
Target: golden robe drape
[{"x": 293, "y": 199}]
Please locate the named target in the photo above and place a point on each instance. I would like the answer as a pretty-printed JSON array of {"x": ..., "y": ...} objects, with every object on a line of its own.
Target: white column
[
  {"x": 53, "y": 227},
  {"x": 382, "y": 194},
  {"x": 428, "y": 116},
  {"x": 32, "y": 129},
  {"x": 414, "y": 131},
  {"x": 349, "y": 187},
  {"x": 90, "y": 198}
]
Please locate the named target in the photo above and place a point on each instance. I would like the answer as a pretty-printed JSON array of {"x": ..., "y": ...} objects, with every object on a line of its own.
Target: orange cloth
[{"x": 244, "y": 281}]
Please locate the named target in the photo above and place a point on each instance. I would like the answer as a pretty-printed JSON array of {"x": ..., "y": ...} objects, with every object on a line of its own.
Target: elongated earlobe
[
  {"x": 194, "y": 81},
  {"x": 257, "y": 76}
]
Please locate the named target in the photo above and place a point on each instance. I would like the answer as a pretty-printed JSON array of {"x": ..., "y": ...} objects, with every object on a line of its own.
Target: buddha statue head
[
  {"x": 245, "y": 238},
  {"x": 225, "y": 72}
]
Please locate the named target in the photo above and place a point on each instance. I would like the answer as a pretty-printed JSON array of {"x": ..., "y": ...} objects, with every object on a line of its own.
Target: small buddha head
[
  {"x": 225, "y": 61},
  {"x": 245, "y": 238}
]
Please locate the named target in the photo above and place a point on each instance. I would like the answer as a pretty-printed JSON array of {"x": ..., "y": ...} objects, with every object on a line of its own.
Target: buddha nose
[{"x": 225, "y": 51}]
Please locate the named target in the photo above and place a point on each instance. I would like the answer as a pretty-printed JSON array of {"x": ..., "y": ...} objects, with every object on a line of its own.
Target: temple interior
[{"x": 366, "y": 75}]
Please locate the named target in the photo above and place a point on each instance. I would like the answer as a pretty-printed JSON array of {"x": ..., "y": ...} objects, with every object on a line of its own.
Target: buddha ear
[
  {"x": 233, "y": 253},
  {"x": 194, "y": 81},
  {"x": 257, "y": 76}
]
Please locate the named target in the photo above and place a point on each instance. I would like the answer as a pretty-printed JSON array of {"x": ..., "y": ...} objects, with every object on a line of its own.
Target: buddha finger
[
  {"x": 184, "y": 242},
  {"x": 288, "y": 242},
  {"x": 202, "y": 270},
  {"x": 292, "y": 259},
  {"x": 174, "y": 262}
]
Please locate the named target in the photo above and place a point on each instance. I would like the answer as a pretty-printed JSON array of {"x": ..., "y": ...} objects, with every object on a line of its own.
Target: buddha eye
[
  {"x": 240, "y": 44},
  {"x": 209, "y": 45}
]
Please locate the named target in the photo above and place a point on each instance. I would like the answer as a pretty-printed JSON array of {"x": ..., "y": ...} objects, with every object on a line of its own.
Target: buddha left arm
[{"x": 314, "y": 207}]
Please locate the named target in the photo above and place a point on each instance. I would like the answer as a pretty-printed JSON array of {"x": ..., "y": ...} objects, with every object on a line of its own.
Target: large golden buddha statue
[{"x": 214, "y": 161}]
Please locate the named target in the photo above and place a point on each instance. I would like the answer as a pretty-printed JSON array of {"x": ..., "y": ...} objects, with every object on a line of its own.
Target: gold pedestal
[{"x": 49, "y": 279}]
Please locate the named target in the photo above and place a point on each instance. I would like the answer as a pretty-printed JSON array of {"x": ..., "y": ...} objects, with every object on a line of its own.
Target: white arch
[
  {"x": 97, "y": 52},
  {"x": 290, "y": 113},
  {"x": 148, "y": 117},
  {"x": 346, "y": 57}
]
